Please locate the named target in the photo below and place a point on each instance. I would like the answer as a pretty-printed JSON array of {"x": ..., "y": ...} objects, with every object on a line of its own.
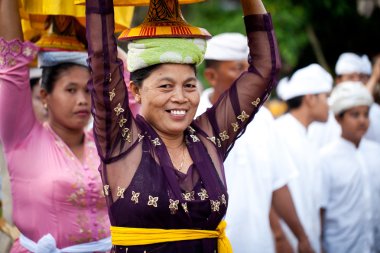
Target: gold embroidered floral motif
[
  {"x": 224, "y": 136},
  {"x": 256, "y": 103},
  {"x": 11, "y": 61},
  {"x": 235, "y": 126},
  {"x": 203, "y": 194},
  {"x": 173, "y": 206},
  {"x": 120, "y": 192},
  {"x": 243, "y": 116},
  {"x": 27, "y": 51},
  {"x": 219, "y": 144},
  {"x": 223, "y": 199},
  {"x": 191, "y": 130},
  {"x": 152, "y": 201},
  {"x": 135, "y": 197},
  {"x": 15, "y": 49},
  {"x": 140, "y": 137},
  {"x": 212, "y": 139},
  {"x": 128, "y": 137},
  {"x": 124, "y": 132},
  {"x": 112, "y": 94},
  {"x": 156, "y": 142},
  {"x": 118, "y": 109},
  {"x": 188, "y": 195},
  {"x": 195, "y": 138},
  {"x": 105, "y": 189},
  {"x": 215, "y": 205},
  {"x": 109, "y": 77},
  {"x": 184, "y": 206},
  {"x": 122, "y": 121}
]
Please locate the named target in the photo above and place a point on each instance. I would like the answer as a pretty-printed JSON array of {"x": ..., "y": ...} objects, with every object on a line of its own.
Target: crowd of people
[{"x": 113, "y": 151}]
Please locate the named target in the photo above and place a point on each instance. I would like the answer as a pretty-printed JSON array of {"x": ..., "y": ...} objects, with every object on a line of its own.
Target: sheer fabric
[{"x": 140, "y": 182}]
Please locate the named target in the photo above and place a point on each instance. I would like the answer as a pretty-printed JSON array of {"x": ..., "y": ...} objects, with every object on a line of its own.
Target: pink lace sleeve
[
  {"x": 228, "y": 118},
  {"x": 16, "y": 111}
]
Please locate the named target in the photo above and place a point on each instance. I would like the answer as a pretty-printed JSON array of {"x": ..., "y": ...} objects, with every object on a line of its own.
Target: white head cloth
[
  {"x": 349, "y": 94},
  {"x": 352, "y": 63},
  {"x": 367, "y": 67},
  {"x": 227, "y": 47},
  {"x": 49, "y": 59},
  {"x": 312, "y": 79},
  {"x": 35, "y": 73},
  {"x": 281, "y": 86}
]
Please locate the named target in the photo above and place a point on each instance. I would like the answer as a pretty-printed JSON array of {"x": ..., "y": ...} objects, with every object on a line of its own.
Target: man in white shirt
[
  {"x": 251, "y": 173},
  {"x": 351, "y": 176},
  {"x": 306, "y": 96}
]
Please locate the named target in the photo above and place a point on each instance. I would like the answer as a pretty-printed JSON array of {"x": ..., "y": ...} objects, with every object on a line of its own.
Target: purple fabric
[{"x": 136, "y": 168}]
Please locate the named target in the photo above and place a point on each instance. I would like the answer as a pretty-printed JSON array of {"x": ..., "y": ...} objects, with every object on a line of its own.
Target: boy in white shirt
[{"x": 350, "y": 175}]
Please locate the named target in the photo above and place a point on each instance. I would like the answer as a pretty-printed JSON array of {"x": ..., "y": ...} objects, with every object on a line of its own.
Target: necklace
[
  {"x": 183, "y": 159},
  {"x": 181, "y": 164}
]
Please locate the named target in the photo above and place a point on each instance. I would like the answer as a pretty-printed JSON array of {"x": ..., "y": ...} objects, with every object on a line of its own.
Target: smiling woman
[{"x": 163, "y": 171}]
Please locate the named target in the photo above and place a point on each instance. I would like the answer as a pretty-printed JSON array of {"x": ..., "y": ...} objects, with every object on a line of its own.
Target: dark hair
[
  {"x": 341, "y": 114},
  {"x": 294, "y": 103},
  {"x": 33, "y": 82},
  {"x": 140, "y": 75},
  {"x": 212, "y": 63},
  {"x": 50, "y": 75}
]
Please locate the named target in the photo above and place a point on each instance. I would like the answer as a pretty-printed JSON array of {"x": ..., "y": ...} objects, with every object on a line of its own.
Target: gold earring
[
  {"x": 137, "y": 98},
  {"x": 45, "y": 106}
]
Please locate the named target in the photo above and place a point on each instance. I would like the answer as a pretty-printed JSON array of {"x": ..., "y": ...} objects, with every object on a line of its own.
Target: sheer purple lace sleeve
[
  {"x": 228, "y": 118},
  {"x": 114, "y": 126}
]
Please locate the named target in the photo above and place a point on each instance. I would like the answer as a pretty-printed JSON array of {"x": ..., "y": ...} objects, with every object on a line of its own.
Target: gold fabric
[
  {"x": 123, "y": 14},
  {"x": 137, "y": 2},
  {"x": 123, "y": 236}
]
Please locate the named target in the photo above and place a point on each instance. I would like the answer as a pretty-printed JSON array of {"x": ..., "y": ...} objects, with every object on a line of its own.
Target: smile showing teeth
[{"x": 178, "y": 112}]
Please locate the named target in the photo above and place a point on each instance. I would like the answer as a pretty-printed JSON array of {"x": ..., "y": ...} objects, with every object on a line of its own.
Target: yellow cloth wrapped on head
[{"x": 122, "y": 236}]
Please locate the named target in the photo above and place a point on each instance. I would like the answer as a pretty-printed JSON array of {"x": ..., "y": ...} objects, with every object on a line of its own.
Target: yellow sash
[{"x": 141, "y": 236}]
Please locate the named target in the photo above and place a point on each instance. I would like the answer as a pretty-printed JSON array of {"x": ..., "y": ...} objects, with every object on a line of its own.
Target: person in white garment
[
  {"x": 306, "y": 96},
  {"x": 373, "y": 86},
  {"x": 251, "y": 173},
  {"x": 349, "y": 67},
  {"x": 351, "y": 176},
  {"x": 352, "y": 67}
]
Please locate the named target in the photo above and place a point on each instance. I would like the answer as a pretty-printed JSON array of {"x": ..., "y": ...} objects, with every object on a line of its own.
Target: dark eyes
[
  {"x": 71, "y": 90},
  {"x": 190, "y": 85},
  {"x": 168, "y": 86},
  {"x": 164, "y": 86}
]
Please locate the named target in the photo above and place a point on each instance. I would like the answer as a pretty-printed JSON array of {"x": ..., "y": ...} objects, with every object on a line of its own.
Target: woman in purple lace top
[{"x": 162, "y": 169}]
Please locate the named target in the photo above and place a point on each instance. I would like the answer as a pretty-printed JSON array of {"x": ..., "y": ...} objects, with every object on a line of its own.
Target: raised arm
[
  {"x": 10, "y": 27},
  {"x": 16, "y": 111},
  {"x": 227, "y": 119},
  {"x": 114, "y": 126}
]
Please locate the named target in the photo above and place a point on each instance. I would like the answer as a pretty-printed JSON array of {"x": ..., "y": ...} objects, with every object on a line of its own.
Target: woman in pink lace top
[{"x": 56, "y": 187}]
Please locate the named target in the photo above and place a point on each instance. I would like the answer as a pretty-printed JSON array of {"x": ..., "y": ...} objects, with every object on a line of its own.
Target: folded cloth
[
  {"x": 49, "y": 59},
  {"x": 147, "y": 52},
  {"x": 47, "y": 244},
  {"x": 124, "y": 236},
  {"x": 349, "y": 94}
]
